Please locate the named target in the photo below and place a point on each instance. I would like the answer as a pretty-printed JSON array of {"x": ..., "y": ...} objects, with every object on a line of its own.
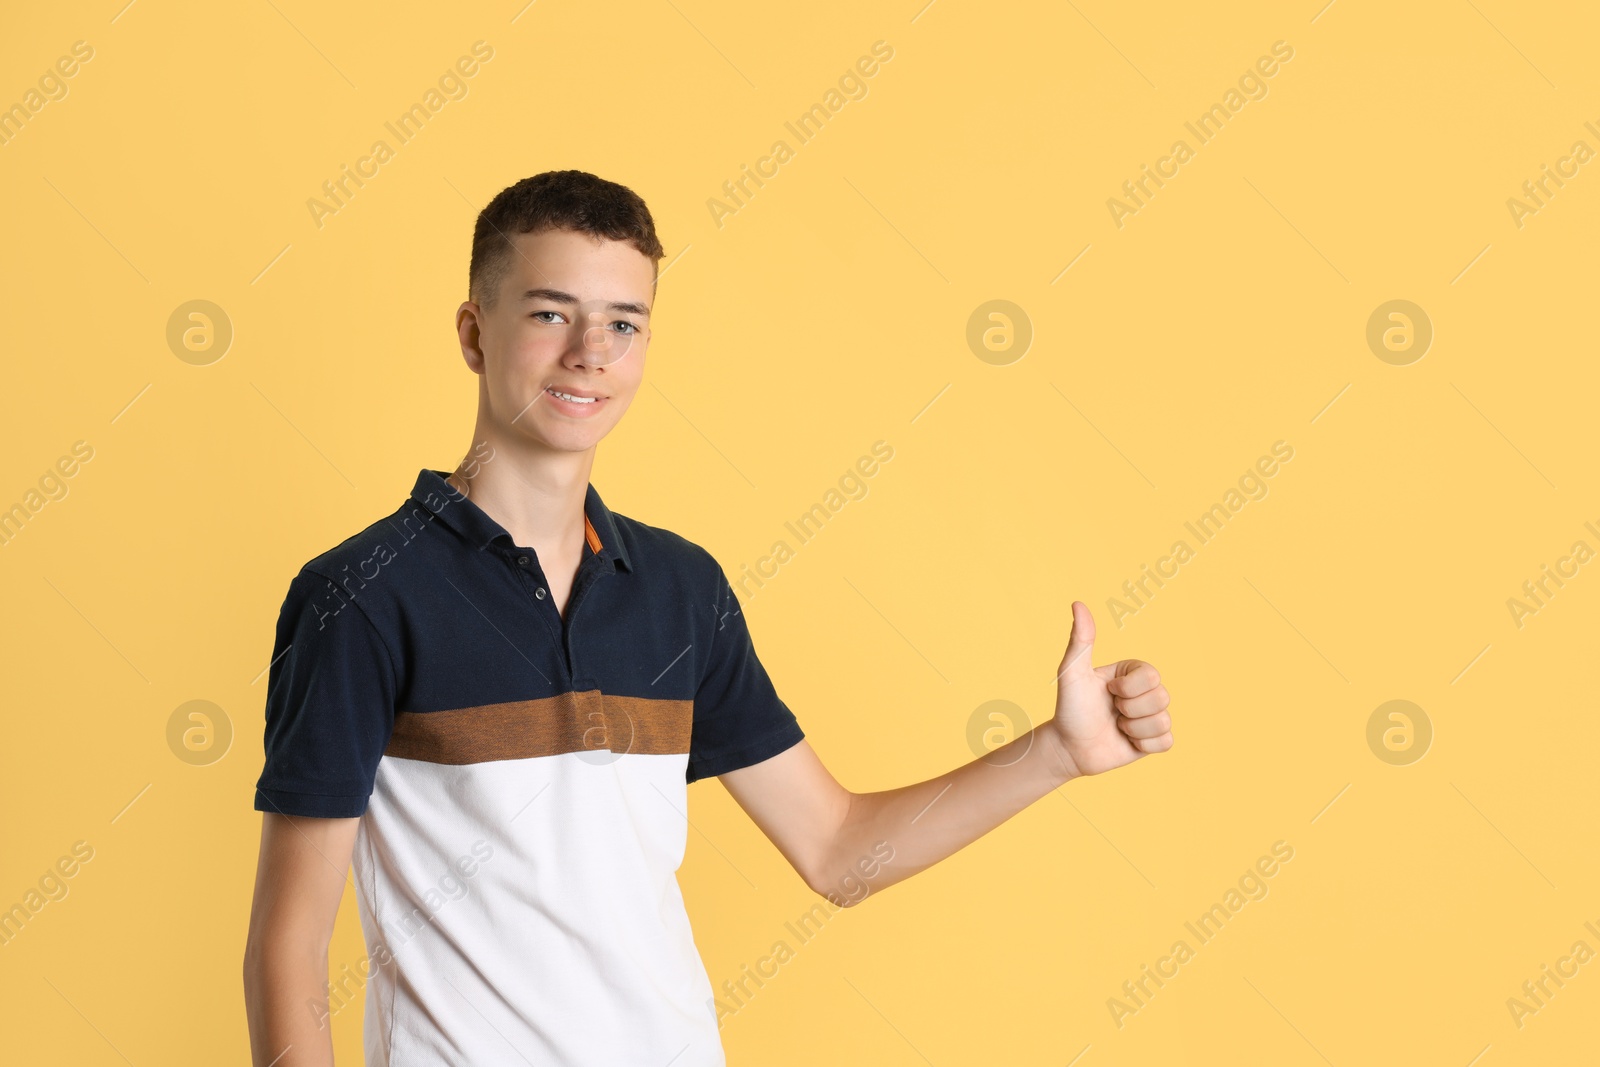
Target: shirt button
[
  {"x": 540, "y": 593},
  {"x": 522, "y": 561}
]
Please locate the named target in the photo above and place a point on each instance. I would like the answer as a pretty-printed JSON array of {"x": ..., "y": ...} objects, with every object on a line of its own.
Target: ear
[{"x": 469, "y": 324}]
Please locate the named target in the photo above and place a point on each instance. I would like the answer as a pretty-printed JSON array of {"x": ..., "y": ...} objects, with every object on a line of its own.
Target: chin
[{"x": 570, "y": 438}]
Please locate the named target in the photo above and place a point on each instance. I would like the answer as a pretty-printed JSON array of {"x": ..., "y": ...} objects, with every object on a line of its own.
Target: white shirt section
[{"x": 568, "y": 942}]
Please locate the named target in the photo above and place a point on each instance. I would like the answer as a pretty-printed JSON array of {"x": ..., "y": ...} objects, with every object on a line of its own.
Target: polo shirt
[{"x": 521, "y": 777}]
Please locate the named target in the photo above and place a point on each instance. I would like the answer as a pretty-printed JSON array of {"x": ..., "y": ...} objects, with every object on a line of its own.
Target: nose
[{"x": 596, "y": 338}]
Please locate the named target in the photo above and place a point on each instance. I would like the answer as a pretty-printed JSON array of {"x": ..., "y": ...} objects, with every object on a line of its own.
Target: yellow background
[{"x": 1229, "y": 313}]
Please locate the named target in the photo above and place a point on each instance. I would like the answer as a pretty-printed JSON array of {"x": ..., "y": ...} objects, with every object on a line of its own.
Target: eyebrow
[{"x": 559, "y": 297}]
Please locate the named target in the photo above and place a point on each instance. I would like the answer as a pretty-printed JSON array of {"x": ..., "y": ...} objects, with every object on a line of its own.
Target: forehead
[{"x": 591, "y": 268}]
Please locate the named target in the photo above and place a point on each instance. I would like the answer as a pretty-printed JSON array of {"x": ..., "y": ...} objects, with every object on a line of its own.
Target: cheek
[
  {"x": 634, "y": 381},
  {"x": 524, "y": 358},
  {"x": 628, "y": 373},
  {"x": 622, "y": 396},
  {"x": 536, "y": 348}
]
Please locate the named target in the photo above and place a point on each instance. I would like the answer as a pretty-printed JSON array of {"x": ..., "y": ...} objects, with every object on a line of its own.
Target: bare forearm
[
  {"x": 888, "y": 836},
  {"x": 285, "y": 993}
]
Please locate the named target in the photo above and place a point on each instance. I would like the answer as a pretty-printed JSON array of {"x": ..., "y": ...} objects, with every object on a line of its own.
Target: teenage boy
[{"x": 493, "y": 699}]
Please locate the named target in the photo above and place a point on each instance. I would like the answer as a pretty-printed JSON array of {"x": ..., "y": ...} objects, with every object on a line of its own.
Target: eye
[
  {"x": 536, "y": 315},
  {"x": 631, "y": 328}
]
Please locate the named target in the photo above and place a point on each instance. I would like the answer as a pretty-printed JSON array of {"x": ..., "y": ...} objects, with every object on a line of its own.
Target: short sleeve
[
  {"x": 738, "y": 718},
  {"x": 330, "y": 705}
]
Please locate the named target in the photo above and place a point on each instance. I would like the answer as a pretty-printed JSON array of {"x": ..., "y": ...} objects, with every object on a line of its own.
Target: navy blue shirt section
[
  {"x": 726, "y": 735},
  {"x": 435, "y": 608},
  {"x": 330, "y": 705}
]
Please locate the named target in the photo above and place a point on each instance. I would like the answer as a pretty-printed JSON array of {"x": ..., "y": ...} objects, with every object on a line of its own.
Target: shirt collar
[{"x": 457, "y": 511}]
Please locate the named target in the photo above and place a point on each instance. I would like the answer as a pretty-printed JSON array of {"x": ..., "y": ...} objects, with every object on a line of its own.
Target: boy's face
[{"x": 572, "y": 316}]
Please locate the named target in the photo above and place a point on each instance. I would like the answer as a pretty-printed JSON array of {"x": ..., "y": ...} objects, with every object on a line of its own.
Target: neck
[{"x": 537, "y": 494}]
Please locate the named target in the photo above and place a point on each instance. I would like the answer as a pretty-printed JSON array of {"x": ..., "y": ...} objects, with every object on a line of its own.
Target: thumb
[{"x": 1079, "y": 657}]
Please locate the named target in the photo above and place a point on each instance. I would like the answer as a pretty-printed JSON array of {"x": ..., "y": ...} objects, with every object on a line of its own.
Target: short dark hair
[{"x": 554, "y": 200}]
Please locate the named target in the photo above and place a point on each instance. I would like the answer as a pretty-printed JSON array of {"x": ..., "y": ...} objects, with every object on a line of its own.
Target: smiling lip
[{"x": 575, "y": 408}]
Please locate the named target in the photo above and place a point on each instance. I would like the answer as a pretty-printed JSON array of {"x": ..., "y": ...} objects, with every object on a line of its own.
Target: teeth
[{"x": 573, "y": 399}]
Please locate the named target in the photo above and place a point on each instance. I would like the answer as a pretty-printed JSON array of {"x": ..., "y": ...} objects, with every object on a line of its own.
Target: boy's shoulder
[
  {"x": 657, "y": 546},
  {"x": 355, "y": 550},
  {"x": 392, "y": 546}
]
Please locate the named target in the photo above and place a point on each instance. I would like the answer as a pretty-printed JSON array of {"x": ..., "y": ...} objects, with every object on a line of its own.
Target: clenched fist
[{"x": 1107, "y": 716}]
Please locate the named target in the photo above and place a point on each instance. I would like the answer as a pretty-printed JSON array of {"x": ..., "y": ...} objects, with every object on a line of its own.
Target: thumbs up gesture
[{"x": 1106, "y": 717}]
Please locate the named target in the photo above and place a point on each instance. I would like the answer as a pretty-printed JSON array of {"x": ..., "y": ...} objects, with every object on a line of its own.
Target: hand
[{"x": 1106, "y": 717}]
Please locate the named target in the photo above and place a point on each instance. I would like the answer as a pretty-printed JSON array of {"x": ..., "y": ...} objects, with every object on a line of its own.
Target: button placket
[
  {"x": 591, "y": 570},
  {"x": 530, "y": 568},
  {"x": 524, "y": 561}
]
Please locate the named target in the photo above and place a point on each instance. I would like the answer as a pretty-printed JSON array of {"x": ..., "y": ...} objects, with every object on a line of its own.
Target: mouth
[
  {"x": 574, "y": 402},
  {"x": 574, "y": 398}
]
